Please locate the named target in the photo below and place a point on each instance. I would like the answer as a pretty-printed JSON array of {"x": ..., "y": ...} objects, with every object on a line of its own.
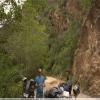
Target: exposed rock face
[{"x": 86, "y": 65}]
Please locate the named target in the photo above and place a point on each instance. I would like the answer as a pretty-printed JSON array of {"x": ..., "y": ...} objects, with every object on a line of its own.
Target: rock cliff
[{"x": 86, "y": 65}]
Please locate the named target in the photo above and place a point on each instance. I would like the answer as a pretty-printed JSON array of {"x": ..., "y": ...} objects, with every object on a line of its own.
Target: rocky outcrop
[{"x": 86, "y": 65}]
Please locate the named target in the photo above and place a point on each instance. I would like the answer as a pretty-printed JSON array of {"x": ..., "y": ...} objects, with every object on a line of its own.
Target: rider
[{"x": 39, "y": 80}]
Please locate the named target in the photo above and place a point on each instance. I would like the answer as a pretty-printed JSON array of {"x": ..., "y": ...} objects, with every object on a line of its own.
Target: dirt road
[{"x": 54, "y": 82}]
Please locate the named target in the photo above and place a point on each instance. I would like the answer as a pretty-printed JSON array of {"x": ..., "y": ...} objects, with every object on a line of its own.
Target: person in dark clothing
[
  {"x": 76, "y": 89},
  {"x": 31, "y": 88},
  {"x": 26, "y": 84},
  {"x": 69, "y": 83}
]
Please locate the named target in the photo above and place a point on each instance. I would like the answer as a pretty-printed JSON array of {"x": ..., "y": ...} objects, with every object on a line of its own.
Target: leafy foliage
[
  {"x": 24, "y": 48},
  {"x": 28, "y": 40}
]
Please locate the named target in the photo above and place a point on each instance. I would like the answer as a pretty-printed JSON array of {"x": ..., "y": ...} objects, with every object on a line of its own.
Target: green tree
[{"x": 23, "y": 47}]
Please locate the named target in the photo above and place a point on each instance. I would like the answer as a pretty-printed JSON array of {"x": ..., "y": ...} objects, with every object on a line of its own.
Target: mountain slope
[{"x": 86, "y": 65}]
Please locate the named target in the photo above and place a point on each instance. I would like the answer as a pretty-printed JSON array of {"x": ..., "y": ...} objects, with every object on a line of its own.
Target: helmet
[
  {"x": 24, "y": 78},
  {"x": 40, "y": 70},
  {"x": 32, "y": 80}
]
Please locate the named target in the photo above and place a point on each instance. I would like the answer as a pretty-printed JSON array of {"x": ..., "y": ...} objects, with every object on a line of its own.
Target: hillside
[
  {"x": 87, "y": 56},
  {"x": 55, "y": 35}
]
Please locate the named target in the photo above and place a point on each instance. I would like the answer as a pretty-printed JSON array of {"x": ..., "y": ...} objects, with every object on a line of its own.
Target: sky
[{"x": 8, "y": 6}]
